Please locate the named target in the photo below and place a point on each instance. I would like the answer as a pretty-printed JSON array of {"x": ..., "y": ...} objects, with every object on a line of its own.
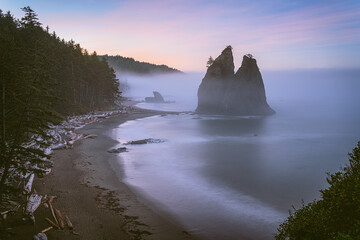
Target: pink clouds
[{"x": 183, "y": 34}]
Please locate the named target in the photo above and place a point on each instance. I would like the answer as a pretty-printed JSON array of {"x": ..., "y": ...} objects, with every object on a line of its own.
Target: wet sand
[{"x": 85, "y": 181}]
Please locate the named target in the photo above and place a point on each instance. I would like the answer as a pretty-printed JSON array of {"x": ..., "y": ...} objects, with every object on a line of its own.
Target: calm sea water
[{"x": 236, "y": 177}]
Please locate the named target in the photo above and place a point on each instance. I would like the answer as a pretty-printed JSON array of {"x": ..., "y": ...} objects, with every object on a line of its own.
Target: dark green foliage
[
  {"x": 30, "y": 19},
  {"x": 42, "y": 78},
  {"x": 336, "y": 215},
  {"x": 124, "y": 64}
]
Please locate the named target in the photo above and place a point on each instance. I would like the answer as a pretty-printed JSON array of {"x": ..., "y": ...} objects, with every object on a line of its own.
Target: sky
[{"x": 281, "y": 34}]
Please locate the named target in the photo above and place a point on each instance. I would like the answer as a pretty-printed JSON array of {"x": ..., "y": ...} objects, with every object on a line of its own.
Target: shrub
[{"x": 336, "y": 215}]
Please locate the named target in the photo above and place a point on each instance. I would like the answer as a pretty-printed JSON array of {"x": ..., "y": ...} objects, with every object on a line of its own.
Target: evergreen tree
[
  {"x": 41, "y": 77},
  {"x": 209, "y": 62},
  {"x": 124, "y": 64},
  {"x": 30, "y": 19},
  {"x": 336, "y": 215}
]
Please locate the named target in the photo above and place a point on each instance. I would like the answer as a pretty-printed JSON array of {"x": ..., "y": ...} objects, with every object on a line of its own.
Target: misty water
[{"x": 236, "y": 177}]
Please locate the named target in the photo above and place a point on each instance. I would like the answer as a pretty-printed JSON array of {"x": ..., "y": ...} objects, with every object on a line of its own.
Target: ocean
[{"x": 223, "y": 177}]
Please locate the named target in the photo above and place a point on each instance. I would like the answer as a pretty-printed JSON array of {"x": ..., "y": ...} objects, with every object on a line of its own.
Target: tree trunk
[
  {"x": 3, "y": 161},
  {"x": 3, "y": 114},
  {"x": 3, "y": 125},
  {"x": 73, "y": 82},
  {"x": 4, "y": 176}
]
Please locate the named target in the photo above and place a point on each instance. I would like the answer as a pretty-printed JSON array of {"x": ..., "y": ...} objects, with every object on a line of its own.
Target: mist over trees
[
  {"x": 42, "y": 78},
  {"x": 130, "y": 65}
]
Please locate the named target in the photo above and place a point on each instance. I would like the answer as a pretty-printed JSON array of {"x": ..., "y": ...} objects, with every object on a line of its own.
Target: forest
[
  {"x": 43, "y": 79},
  {"x": 130, "y": 65}
]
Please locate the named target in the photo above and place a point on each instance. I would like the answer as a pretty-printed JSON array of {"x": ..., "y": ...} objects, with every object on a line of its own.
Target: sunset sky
[{"x": 184, "y": 33}]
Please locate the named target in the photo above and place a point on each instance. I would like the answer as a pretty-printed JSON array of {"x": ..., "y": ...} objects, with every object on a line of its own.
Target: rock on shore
[
  {"x": 158, "y": 98},
  {"x": 224, "y": 92}
]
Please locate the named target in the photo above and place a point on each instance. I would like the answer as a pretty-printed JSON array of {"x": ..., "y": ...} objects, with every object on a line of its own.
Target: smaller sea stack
[{"x": 158, "y": 98}]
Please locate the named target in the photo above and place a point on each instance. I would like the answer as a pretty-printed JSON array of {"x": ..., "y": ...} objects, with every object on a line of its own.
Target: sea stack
[
  {"x": 158, "y": 98},
  {"x": 224, "y": 92}
]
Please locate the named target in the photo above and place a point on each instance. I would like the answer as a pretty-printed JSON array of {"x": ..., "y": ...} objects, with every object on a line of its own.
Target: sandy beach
[{"x": 88, "y": 188}]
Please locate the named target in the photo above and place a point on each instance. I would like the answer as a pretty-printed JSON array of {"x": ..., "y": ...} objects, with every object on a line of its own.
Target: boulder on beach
[
  {"x": 156, "y": 99},
  {"x": 224, "y": 92},
  {"x": 118, "y": 150}
]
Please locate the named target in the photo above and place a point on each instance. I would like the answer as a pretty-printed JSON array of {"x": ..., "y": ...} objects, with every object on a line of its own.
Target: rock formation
[
  {"x": 156, "y": 99},
  {"x": 223, "y": 92}
]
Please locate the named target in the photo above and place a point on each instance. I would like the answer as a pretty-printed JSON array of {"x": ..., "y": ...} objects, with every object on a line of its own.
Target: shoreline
[{"x": 88, "y": 190}]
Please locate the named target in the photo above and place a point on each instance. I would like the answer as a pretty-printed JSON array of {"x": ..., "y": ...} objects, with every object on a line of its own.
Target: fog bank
[{"x": 312, "y": 91}]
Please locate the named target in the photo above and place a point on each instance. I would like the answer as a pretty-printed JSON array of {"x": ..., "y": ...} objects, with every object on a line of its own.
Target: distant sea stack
[
  {"x": 223, "y": 92},
  {"x": 158, "y": 98}
]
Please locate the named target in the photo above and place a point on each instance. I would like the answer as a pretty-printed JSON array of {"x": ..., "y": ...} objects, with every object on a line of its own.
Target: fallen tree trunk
[
  {"x": 59, "y": 218},
  {"x": 33, "y": 203},
  {"x": 28, "y": 185}
]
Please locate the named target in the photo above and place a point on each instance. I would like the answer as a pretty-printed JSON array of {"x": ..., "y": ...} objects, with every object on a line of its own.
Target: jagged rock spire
[{"x": 223, "y": 92}]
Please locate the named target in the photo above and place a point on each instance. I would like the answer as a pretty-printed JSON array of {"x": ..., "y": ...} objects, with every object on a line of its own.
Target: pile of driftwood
[
  {"x": 56, "y": 220},
  {"x": 33, "y": 201},
  {"x": 62, "y": 136}
]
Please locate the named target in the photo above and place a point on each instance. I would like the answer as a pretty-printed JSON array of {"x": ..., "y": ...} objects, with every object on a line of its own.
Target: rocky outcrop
[
  {"x": 156, "y": 99},
  {"x": 224, "y": 92},
  {"x": 145, "y": 141}
]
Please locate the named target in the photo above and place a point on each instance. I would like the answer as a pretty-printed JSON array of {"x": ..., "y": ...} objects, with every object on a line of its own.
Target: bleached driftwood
[
  {"x": 72, "y": 135},
  {"x": 33, "y": 203},
  {"x": 101, "y": 115},
  {"x": 28, "y": 185},
  {"x": 43, "y": 171},
  {"x": 90, "y": 136},
  {"x": 48, "y": 151},
  {"x": 47, "y": 171},
  {"x": 58, "y": 146}
]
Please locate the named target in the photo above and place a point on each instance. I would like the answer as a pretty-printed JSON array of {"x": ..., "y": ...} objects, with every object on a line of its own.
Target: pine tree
[
  {"x": 30, "y": 19},
  {"x": 209, "y": 62},
  {"x": 25, "y": 102},
  {"x": 42, "y": 76}
]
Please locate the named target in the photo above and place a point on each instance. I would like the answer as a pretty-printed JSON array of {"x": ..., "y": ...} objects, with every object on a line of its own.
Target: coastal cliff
[{"x": 224, "y": 92}]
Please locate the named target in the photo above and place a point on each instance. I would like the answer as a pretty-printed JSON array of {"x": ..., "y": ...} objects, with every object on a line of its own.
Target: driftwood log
[
  {"x": 68, "y": 222},
  {"x": 33, "y": 203},
  {"x": 52, "y": 223},
  {"x": 60, "y": 219},
  {"x": 52, "y": 212},
  {"x": 47, "y": 229},
  {"x": 28, "y": 185}
]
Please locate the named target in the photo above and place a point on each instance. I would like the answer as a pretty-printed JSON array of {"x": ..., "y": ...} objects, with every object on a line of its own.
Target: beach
[
  {"x": 88, "y": 188},
  {"x": 217, "y": 177}
]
